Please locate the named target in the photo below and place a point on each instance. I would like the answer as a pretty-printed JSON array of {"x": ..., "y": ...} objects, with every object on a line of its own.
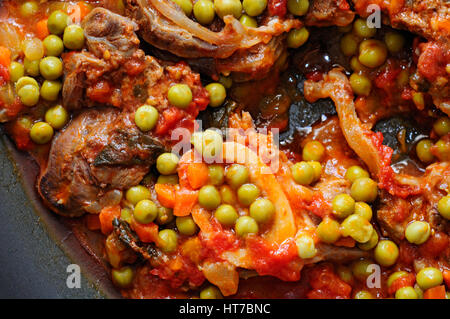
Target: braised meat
[{"x": 99, "y": 153}]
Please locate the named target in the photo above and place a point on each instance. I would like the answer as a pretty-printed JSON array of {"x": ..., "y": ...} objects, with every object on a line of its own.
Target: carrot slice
[
  {"x": 42, "y": 29},
  {"x": 435, "y": 293},
  {"x": 106, "y": 217},
  {"x": 5, "y": 56},
  {"x": 185, "y": 200},
  {"x": 197, "y": 174},
  {"x": 166, "y": 194},
  {"x": 147, "y": 233}
]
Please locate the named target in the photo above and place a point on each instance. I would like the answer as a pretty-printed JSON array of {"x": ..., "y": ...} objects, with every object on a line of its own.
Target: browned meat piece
[
  {"x": 100, "y": 153},
  {"x": 395, "y": 213},
  {"x": 324, "y": 13},
  {"x": 245, "y": 52}
]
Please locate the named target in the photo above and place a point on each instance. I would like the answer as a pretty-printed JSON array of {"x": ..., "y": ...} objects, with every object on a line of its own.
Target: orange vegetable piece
[
  {"x": 345, "y": 242},
  {"x": 435, "y": 293},
  {"x": 147, "y": 233},
  {"x": 42, "y": 29},
  {"x": 185, "y": 200},
  {"x": 5, "y": 56},
  {"x": 106, "y": 217},
  {"x": 197, "y": 175},
  {"x": 446, "y": 274},
  {"x": 166, "y": 194}
]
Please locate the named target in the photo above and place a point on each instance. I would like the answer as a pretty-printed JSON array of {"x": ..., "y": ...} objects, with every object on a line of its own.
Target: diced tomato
[
  {"x": 404, "y": 281},
  {"x": 315, "y": 76},
  {"x": 326, "y": 284},
  {"x": 134, "y": 67},
  {"x": 432, "y": 60},
  {"x": 93, "y": 222},
  {"x": 5, "y": 57},
  {"x": 277, "y": 8},
  {"x": 100, "y": 92},
  {"x": 107, "y": 216}
]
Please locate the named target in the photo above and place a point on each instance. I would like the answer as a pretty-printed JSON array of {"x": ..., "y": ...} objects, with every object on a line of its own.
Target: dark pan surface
[{"x": 36, "y": 245}]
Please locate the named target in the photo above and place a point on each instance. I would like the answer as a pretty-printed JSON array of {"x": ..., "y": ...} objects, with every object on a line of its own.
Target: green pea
[
  {"x": 345, "y": 274},
  {"x": 123, "y": 277},
  {"x": 358, "y": 228},
  {"x": 298, "y": 7},
  {"x": 386, "y": 253},
  {"x": 361, "y": 29},
  {"x": 227, "y": 195},
  {"x": 442, "y": 126},
  {"x": 180, "y": 95},
  {"x": 356, "y": 66},
  {"x": 146, "y": 117},
  {"x": 50, "y": 90},
  {"x": 302, "y": 173},
  {"x": 394, "y": 41},
  {"x": 41, "y": 133},
  {"x": 423, "y": 151},
  {"x": 248, "y": 21},
  {"x": 313, "y": 151},
  {"x": 360, "y": 84},
  {"x": 209, "y": 197},
  {"x": 237, "y": 175},
  {"x": 429, "y": 277},
  {"x": 167, "y": 179},
  {"x": 145, "y": 211},
  {"x": 57, "y": 117},
  {"x": 208, "y": 143},
  {"x": 254, "y": 7},
  {"x": 372, "y": 243},
  {"x": 317, "y": 167},
  {"x": 297, "y": 37},
  {"x": 247, "y": 194},
  {"x": 262, "y": 210},
  {"x": 364, "y": 210},
  {"x": 204, "y": 11},
  {"x": 394, "y": 276},
  {"x": 306, "y": 247},
  {"x": 217, "y": 94},
  {"x": 226, "y": 81},
  {"x": 167, "y": 240},
  {"x": 185, "y": 5},
  {"x": 360, "y": 269},
  {"x": 51, "y": 68},
  {"x": 216, "y": 174},
  {"x": 418, "y": 100},
  {"x": 363, "y": 294},
  {"x": 137, "y": 193},
  {"x": 418, "y": 232},
  {"x": 226, "y": 215},
  {"x": 364, "y": 189},
  {"x": 372, "y": 53},
  {"x": 345, "y": 28},
  {"x": 406, "y": 293},
  {"x": 16, "y": 71},
  {"x": 57, "y": 22},
  {"x": 355, "y": 172},
  {"x": 349, "y": 44},
  {"x": 29, "y": 9},
  {"x": 246, "y": 225},
  {"x": 343, "y": 205},
  {"x": 26, "y": 80},
  {"x": 328, "y": 230},
  {"x": 165, "y": 216},
  {"x": 29, "y": 95},
  {"x": 186, "y": 225},
  {"x": 126, "y": 214},
  {"x": 443, "y": 207},
  {"x": 73, "y": 37},
  {"x": 442, "y": 150},
  {"x": 31, "y": 67},
  {"x": 53, "y": 45},
  {"x": 228, "y": 7},
  {"x": 211, "y": 292},
  {"x": 167, "y": 163}
]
